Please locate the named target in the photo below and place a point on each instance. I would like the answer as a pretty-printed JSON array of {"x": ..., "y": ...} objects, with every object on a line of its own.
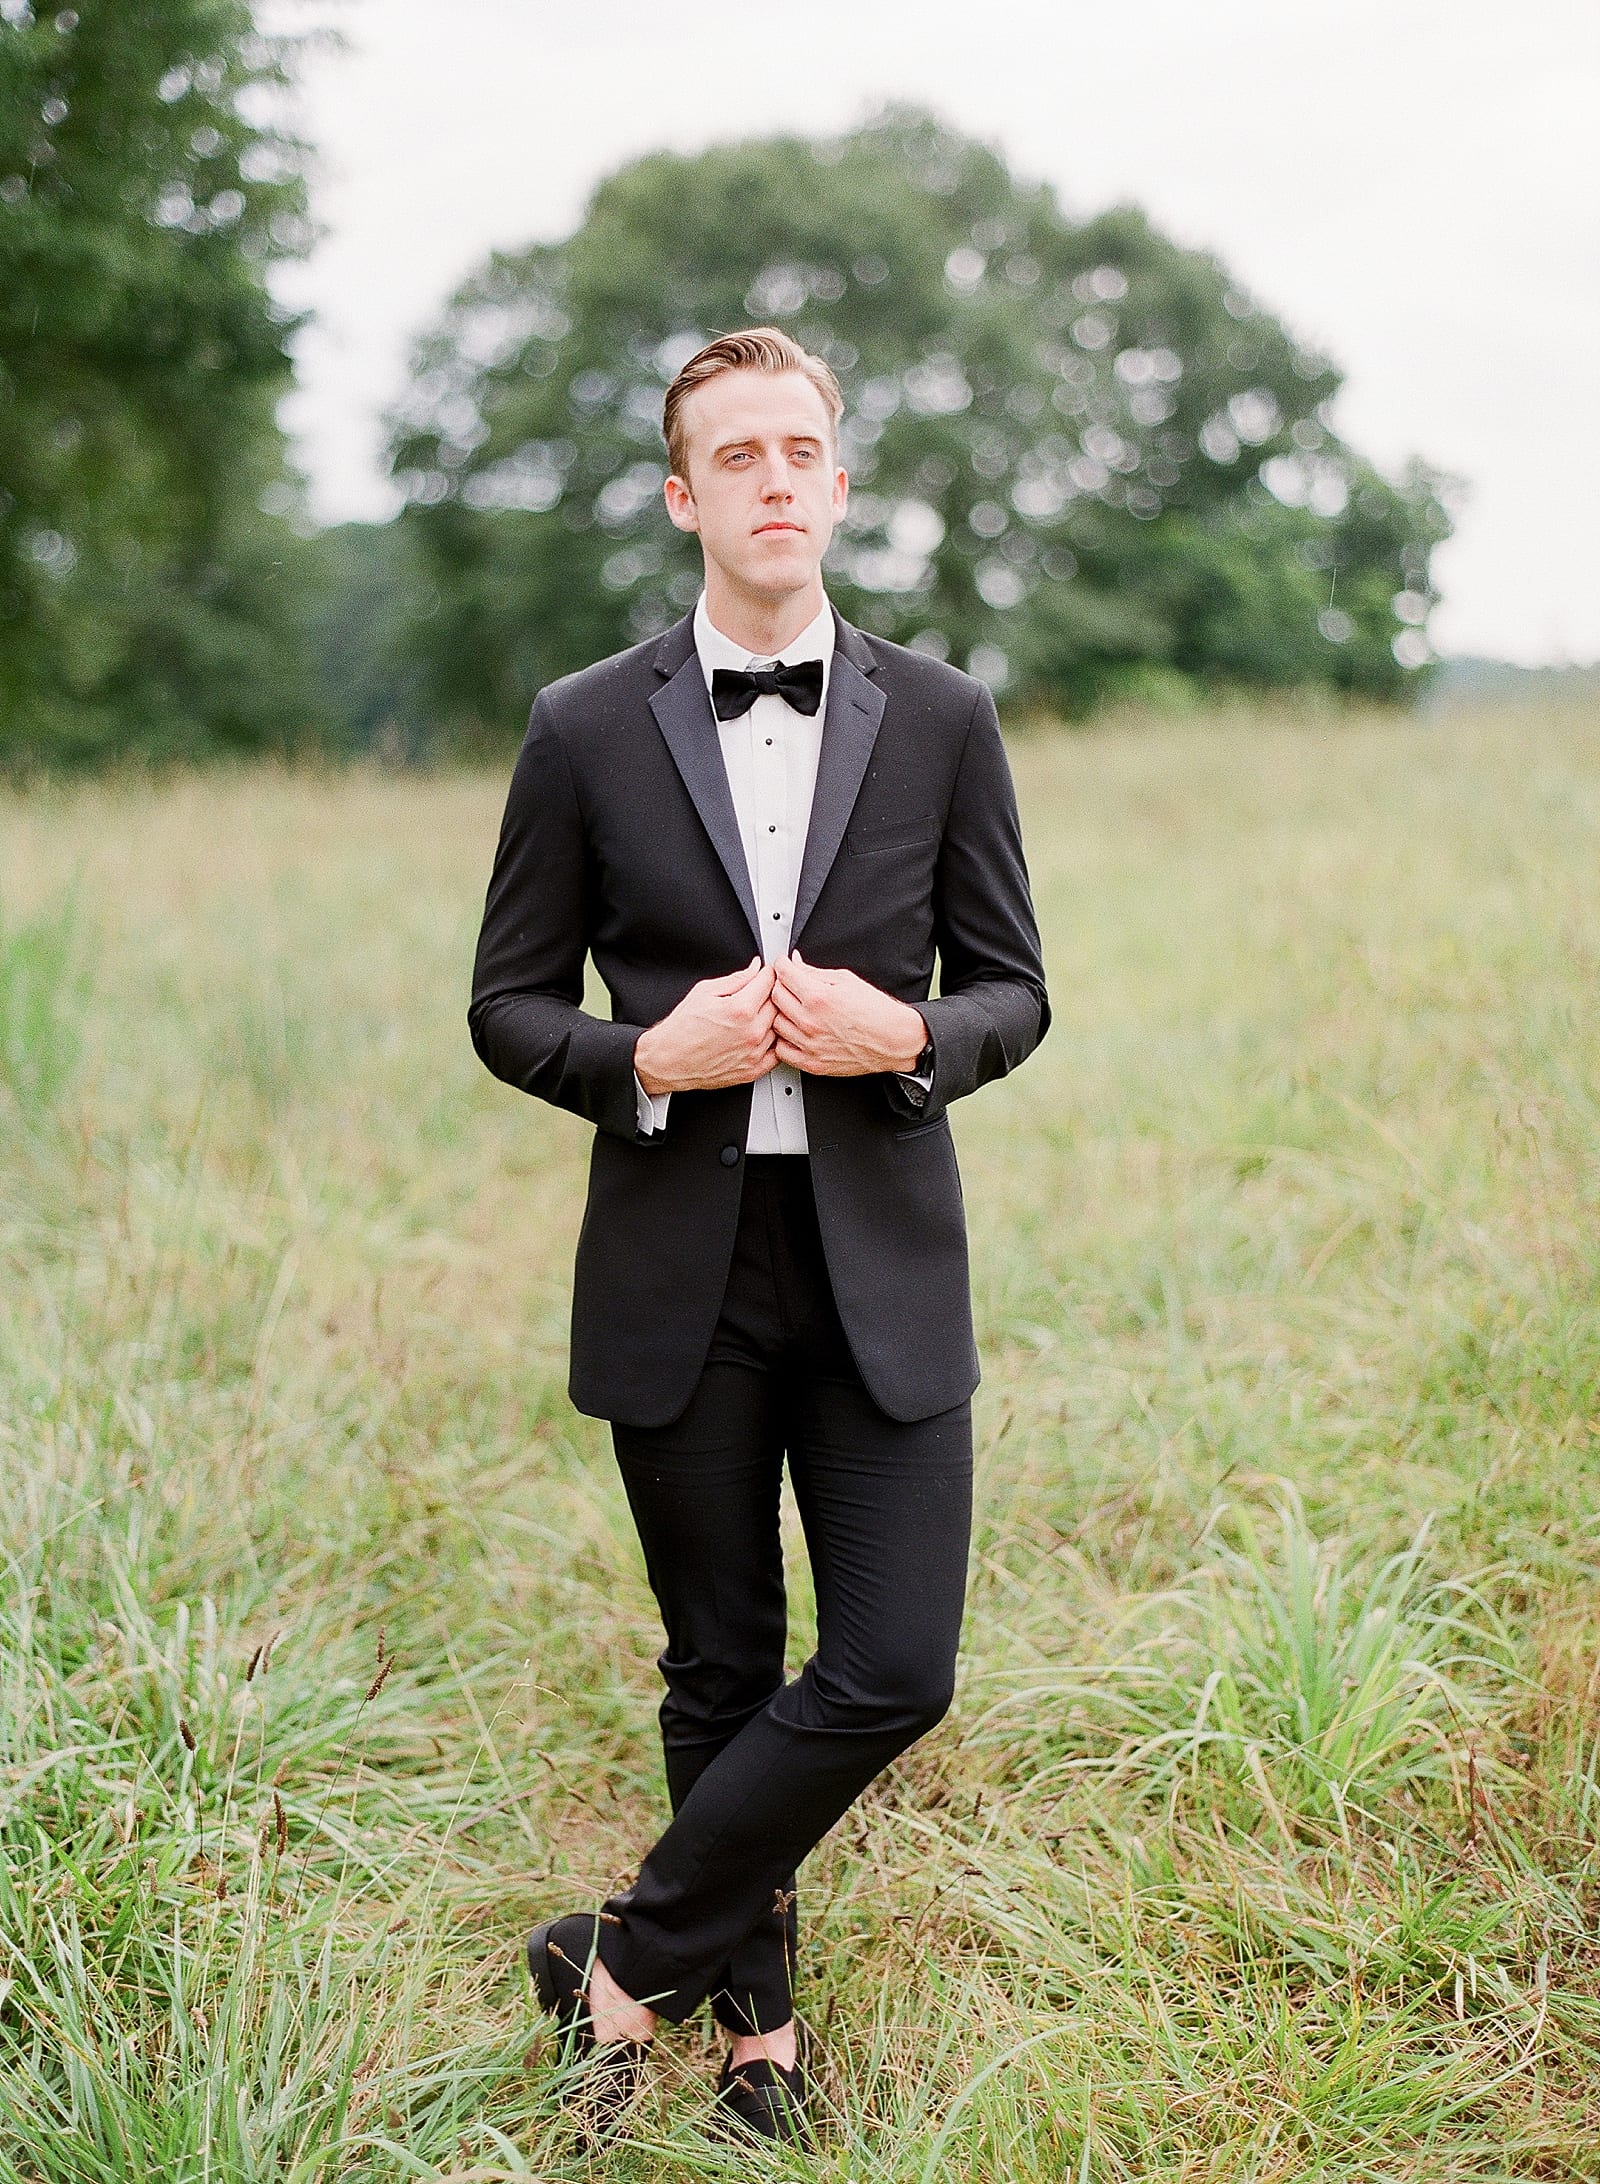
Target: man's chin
[{"x": 776, "y": 576}]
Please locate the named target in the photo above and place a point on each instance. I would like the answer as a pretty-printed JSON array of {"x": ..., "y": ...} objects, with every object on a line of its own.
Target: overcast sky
[{"x": 1411, "y": 185}]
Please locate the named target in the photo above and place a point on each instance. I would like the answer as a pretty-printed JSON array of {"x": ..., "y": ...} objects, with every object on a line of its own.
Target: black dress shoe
[
  {"x": 560, "y": 1956},
  {"x": 763, "y": 2098}
]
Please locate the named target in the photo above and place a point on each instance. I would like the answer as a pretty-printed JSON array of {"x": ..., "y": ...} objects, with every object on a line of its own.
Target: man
[{"x": 773, "y": 1258}]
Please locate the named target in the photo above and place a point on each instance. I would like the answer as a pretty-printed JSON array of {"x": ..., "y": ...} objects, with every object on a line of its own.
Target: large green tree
[
  {"x": 145, "y": 190},
  {"x": 1084, "y": 463}
]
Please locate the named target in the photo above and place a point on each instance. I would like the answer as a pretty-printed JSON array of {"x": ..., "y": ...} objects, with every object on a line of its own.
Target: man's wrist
[
  {"x": 906, "y": 1059},
  {"x": 648, "y": 1080}
]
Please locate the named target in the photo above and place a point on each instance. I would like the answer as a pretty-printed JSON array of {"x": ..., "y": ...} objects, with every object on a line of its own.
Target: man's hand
[
  {"x": 833, "y": 1024},
  {"x": 720, "y": 1033}
]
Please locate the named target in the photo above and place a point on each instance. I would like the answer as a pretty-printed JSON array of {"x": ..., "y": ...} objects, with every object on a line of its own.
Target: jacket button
[{"x": 730, "y": 1156}]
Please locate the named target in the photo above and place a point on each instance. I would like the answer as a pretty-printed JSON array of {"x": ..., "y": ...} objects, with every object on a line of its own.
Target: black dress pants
[{"x": 759, "y": 1769}]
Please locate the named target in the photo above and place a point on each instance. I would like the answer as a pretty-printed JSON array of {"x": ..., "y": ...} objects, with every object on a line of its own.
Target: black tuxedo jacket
[{"x": 620, "y": 841}]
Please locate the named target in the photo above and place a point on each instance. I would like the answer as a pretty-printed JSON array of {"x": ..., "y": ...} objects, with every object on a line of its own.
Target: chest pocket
[{"x": 867, "y": 841}]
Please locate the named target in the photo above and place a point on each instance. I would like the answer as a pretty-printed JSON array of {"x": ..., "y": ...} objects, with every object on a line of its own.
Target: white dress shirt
[{"x": 770, "y": 754}]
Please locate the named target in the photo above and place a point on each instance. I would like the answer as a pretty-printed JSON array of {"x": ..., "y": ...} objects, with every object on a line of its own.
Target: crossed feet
[{"x": 762, "y": 2088}]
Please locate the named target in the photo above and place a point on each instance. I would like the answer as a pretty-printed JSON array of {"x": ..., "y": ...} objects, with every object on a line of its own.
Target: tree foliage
[
  {"x": 363, "y": 596},
  {"x": 145, "y": 189},
  {"x": 1084, "y": 463}
]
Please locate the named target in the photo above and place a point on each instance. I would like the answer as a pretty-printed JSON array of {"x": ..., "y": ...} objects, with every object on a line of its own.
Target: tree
[
  {"x": 363, "y": 599},
  {"x": 146, "y": 602},
  {"x": 1083, "y": 461}
]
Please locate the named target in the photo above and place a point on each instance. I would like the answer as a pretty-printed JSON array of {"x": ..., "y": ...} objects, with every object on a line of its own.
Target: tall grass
[
  {"x": 1264, "y": 1838},
  {"x": 1286, "y": 1691}
]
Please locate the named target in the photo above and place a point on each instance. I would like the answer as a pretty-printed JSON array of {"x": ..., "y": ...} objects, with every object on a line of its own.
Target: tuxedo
[
  {"x": 752, "y": 1287},
  {"x": 620, "y": 841}
]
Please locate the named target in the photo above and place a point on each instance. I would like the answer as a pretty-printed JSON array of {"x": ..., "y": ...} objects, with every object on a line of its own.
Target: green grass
[{"x": 1263, "y": 1841}]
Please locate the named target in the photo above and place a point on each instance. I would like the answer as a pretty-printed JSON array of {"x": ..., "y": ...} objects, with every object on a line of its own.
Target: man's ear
[{"x": 680, "y": 504}]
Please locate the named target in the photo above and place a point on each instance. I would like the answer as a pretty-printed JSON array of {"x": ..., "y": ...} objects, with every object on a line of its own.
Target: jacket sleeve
[
  {"x": 525, "y": 1017},
  {"x": 991, "y": 1009}
]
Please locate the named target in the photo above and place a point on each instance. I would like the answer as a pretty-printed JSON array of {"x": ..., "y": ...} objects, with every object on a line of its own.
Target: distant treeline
[
  {"x": 1085, "y": 464},
  {"x": 1467, "y": 681}
]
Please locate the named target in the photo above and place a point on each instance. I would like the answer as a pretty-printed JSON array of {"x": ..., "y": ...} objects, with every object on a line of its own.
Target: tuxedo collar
[
  {"x": 855, "y": 707},
  {"x": 677, "y": 645}
]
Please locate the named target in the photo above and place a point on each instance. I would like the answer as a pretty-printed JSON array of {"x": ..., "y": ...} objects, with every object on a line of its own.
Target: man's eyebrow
[{"x": 753, "y": 439}]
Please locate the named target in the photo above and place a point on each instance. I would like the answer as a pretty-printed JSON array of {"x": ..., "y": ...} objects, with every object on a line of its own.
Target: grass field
[{"x": 1263, "y": 1841}]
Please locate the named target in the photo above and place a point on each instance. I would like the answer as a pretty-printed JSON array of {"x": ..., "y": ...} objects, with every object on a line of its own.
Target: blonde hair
[{"x": 752, "y": 349}]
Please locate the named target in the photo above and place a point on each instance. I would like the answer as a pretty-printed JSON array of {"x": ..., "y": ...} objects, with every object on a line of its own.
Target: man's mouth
[{"x": 762, "y": 529}]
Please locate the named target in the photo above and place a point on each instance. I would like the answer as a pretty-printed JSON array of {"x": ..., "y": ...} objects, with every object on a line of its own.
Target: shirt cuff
[
  {"x": 652, "y": 1108},
  {"x": 912, "y": 1082}
]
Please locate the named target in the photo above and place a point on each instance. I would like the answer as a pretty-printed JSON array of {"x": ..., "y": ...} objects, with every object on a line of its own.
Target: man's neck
[{"x": 762, "y": 626}]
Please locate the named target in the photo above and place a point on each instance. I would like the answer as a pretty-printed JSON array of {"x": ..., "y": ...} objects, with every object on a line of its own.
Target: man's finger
[
  {"x": 755, "y": 975},
  {"x": 814, "y": 972},
  {"x": 816, "y": 985},
  {"x": 730, "y": 981},
  {"x": 798, "y": 1003}
]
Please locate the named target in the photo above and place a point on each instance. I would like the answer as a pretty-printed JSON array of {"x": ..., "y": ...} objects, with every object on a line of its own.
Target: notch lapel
[
  {"x": 683, "y": 714},
  {"x": 849, "y": 730}
]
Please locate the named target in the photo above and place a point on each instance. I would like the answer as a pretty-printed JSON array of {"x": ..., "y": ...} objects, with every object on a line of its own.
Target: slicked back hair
[{"x": 751, "y": 349}]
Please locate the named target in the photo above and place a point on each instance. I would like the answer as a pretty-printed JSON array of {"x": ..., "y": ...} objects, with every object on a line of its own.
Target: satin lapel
[
  {"x": 849, "y": 730},
  {"x": 684, "y": 716}
]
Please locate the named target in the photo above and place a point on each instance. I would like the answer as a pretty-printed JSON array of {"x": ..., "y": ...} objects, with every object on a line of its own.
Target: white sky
[{"x": 1410, "y": 184}]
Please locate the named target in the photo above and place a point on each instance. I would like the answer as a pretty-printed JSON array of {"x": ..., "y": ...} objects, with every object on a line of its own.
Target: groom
[{"x": 762, "y": 826}]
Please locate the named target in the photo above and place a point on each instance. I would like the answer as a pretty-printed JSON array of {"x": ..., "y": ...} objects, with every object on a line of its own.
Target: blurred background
[{"x": 1250, "y": 355}]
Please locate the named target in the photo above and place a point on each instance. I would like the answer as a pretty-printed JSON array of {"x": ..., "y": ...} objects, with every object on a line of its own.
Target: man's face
[{"x": 763, "y": 491}]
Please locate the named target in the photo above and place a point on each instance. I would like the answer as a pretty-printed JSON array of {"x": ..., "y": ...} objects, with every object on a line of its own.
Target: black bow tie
[{"x": 735, "y": 689}]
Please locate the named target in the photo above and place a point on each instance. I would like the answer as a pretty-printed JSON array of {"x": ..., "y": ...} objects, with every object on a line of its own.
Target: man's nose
[{"x": 775, "y": 477}]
